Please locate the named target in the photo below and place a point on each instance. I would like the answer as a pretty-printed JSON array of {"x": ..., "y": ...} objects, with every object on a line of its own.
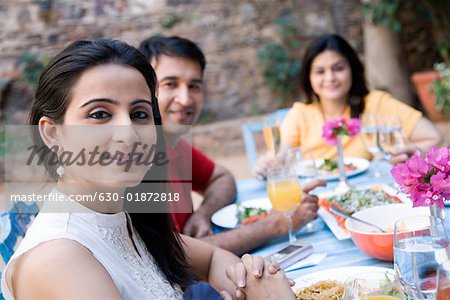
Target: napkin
[{"x": 308, "y": 261}]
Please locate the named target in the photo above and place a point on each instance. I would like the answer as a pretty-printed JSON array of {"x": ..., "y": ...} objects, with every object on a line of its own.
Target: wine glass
[
  {"x": 271, "y": 134},
  {"x": 377, "y": 285},
  {"x": 420, "y": 247},
  {"x": 390, "y": 135},
  {"x": 443, "y": 282},
  {"x": 285, "y": 193},
  {"x": 369, "y": 136},
  {"x": 303, "y": 162}
]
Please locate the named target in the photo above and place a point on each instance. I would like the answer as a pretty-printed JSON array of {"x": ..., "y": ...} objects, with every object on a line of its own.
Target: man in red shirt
[{"x": 179, "y": 65}]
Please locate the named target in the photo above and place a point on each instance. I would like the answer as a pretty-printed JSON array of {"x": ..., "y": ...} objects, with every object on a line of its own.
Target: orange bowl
[{"x": 373, "y": 242}]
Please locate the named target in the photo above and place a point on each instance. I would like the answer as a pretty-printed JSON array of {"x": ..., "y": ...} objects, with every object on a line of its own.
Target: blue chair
[
  {"x": 26, "y": 212},
  {"x": 250, "y": 129},
  {"x": 11, "y": 231},
  {"x": 14, "y": 224}
]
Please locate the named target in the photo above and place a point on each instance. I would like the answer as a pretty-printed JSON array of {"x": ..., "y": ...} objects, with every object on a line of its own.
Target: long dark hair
[
  {"x": 53, "y": 95},
  {"x": 336, "y": 43}
]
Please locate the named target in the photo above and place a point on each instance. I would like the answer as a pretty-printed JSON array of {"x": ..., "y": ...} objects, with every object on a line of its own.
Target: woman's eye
[
  {"x": 141, "y": 115},
  {"x": 100, "y": 114}
]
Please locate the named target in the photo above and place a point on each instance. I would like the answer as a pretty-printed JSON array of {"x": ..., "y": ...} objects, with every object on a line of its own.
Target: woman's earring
[{"x": 60, "y": 171}]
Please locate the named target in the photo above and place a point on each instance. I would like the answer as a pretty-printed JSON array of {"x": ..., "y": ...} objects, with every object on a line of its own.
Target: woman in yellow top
[{"x": 332, "y": 79}]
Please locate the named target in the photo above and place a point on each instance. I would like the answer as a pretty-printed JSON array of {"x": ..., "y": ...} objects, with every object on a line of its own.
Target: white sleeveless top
[{"x": 135, "y": 275}]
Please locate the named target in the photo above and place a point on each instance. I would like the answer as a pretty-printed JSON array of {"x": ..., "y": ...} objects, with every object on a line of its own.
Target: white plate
[
  {"x": 361, "y": 165},
  {"x": 338, "y": 274},
  {"x": 226, "y": 217},
  {"x": 341, "y": 233}
]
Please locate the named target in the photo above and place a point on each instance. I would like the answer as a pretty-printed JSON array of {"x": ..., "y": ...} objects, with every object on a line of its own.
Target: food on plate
[
  {"x": 252, "y": 214},
  {"x": 357, "y": 200},
  {"x": 325, "y": 289},
  {"x": 331, "y": 166}
]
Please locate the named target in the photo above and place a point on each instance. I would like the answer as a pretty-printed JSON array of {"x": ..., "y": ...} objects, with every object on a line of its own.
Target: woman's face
[
  {"x": 109, "y": 112},
  {"x": 331, "y": 76}
]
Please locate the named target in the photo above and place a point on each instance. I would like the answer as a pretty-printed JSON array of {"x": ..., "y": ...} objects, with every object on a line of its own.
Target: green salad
[
  {"x": 252, "y": 214},
  {"x": 356, "y": 200}
]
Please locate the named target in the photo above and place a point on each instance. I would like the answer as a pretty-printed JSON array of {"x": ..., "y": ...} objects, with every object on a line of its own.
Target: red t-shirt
[{"x": 186, "y": 175}]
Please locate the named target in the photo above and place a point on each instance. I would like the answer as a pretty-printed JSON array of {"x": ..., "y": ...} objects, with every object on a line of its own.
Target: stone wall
[{"x": 229, "y": 31}]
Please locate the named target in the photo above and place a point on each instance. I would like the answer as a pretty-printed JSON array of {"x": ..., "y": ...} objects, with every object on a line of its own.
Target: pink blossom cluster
[
  {"x": 341, "y": 126},
  {"x": 426, "y": 180}
]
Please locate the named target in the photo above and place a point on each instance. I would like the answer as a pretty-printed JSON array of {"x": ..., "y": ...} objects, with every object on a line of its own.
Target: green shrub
[
  {"x": 281, "y": 65},
  {"x": 31, "y": 65},
  {"x": 441, "y": 88}
]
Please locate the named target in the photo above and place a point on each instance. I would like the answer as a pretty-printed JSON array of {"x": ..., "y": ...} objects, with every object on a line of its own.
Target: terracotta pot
[{"x": 422, "y": 81}]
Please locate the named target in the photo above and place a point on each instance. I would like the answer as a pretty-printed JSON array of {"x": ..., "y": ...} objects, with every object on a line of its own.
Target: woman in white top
[{"x": 100, "y": 96}]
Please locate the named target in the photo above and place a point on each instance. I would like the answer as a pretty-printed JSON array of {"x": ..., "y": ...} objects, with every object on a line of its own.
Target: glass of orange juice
[
  {"x": 271, "y": 134},
  {"x": 375, "y": 285},
  {"x": 285, "y": 193}
]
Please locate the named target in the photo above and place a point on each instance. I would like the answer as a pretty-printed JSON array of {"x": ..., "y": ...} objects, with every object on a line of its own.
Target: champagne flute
[
  {"x": 303, "y": 162},
  {"x": 378, "y": 285},
  {"x": 369, "y": 135},
  {"x": 390, "y": 135},
  {"x": 271, "y": 134},
  {"x": 285, "y": 193},
  {"x": 420, "y": 247},
  {"x": 443, "y": 281}
]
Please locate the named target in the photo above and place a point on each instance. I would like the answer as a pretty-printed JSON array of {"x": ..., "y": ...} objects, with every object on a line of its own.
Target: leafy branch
[{"x": 281, "y": 66}]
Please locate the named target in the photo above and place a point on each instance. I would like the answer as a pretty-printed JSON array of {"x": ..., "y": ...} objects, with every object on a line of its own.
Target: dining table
[{"x": 339, "y": 253}]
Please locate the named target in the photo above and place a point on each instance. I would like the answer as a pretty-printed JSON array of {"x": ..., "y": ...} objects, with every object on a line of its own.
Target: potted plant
[
  {"x": 441, "y": 89},
  {"x": 433, "y": 88}
]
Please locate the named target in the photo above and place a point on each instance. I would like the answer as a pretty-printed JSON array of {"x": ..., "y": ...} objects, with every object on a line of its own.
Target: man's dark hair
[{"x": 173, "y": 46}]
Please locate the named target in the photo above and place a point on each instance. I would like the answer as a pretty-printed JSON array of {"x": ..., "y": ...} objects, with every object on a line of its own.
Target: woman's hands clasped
[{"x": 257, "y": 278}]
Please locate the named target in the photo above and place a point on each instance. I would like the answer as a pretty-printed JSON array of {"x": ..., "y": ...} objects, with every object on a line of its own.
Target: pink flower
[
  {"x": 426, "y": 180},
  {"x": 417, "y": 166},
  {"x": 439, "y": 158},
  {"x": 401, "y": 175},
  {"x": 332, "y": 129},
  {"x": 353, "y": 126},
  {"x": 441, "y": 183}
]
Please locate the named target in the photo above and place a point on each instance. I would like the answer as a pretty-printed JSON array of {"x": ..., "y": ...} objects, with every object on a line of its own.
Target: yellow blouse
[{"x": 303, "y": 125}]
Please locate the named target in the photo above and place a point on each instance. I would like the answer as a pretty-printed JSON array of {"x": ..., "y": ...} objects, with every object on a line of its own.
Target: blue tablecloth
[{"x": 342, "y": 253}]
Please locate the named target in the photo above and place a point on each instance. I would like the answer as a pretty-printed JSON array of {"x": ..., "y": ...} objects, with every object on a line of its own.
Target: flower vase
[
  {"x": 437, "y": 212},
  {"x": 343, "y": 185}
]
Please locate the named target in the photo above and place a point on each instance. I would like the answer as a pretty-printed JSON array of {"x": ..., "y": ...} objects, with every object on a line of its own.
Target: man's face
[{"x": 180, "y": 91}]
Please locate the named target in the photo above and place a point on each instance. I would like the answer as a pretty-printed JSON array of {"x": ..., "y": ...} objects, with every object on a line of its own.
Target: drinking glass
[
  {"x": 390, "y": 135},
  {"x": 285, "y": 193},
  {"x": 443, "y": 281},
  {"x": 377, "y": 285},
  {"x": 271, "y": 134},
  {"x": 303, "y": 162},
  {"x": 369, "y": 134},
  {"x": 420, "y": 247}
]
